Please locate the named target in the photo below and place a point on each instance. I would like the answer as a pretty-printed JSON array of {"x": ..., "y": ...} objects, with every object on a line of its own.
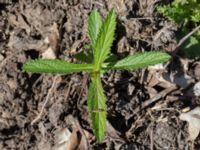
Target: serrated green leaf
[
  {"x": 139, "y": 61},
  {"x": 105, "y": 39},
  {"x": 94, "y": 25},
  {"x": 55, "y": 66},
  {"x": 97, "y": 107}
]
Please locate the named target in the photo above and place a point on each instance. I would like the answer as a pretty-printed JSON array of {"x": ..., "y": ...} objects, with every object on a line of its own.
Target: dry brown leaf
[
  {"x": 193, "y": 118},
  {"x": 62, "y": 135},
  {"x": 65, "y": 140},
  {"x": 75, "y": 140},
  {"x": 70, "y": 141},
  {"x": 111, "y": 132},
  {"x": 61, "y": 139},
  {"x": 158, "y": 76}
]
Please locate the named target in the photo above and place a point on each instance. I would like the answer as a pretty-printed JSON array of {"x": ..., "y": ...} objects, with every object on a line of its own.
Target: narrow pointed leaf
[
  {"x": 105, "y": 39},
  {"x": 54, "y": 66},
  {"x": 97, "y": 107},
  {"x": 94, "y": 25},
  {"x": 139, "y": 61}
]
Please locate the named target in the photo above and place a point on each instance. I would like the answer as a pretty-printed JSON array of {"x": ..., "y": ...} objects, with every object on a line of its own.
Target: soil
[{"x": 143, "y": 105}]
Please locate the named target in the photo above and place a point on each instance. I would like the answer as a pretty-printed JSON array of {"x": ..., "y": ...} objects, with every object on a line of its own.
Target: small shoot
[{"x": 98, "y": 60}]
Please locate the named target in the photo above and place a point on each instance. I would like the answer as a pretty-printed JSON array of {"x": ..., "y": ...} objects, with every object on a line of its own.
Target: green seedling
[{"x": 98, "y": 60}]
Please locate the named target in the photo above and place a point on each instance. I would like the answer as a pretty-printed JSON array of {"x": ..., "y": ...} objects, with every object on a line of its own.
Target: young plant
[{"x": 101, "y": 33}]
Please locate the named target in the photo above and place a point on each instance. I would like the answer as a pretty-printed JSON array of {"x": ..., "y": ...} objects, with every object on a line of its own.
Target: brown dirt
[{"x": 132, "y": 125}]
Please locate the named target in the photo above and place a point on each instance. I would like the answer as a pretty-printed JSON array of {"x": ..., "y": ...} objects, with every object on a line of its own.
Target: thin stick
[
  {"x": 183, "y": 40},
  {"x": 151, "y": 139},
  {"x": 188, "y": 35},
  {"x": 46, "y": 100},
  {"x": 155, "y": 98}
]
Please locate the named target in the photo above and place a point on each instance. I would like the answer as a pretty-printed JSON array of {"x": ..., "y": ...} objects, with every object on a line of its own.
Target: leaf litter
[{"x": 26, "y": 34}]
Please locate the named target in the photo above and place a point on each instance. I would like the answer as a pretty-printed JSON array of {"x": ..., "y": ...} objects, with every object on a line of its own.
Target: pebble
[
  {"x": 1, "y": 57},
  {"x": 196, "y": 89},
  {"x": 1, "y": 98}
]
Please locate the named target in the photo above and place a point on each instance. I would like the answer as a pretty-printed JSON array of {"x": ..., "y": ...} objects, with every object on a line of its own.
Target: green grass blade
[
  {"x": 105, "y": 39},
  {"x": 94, "y": 25},
  {"x": 97, "y": 107},
  {"x": 139, "y": 61},
  {"x": 55, "y": 66}
]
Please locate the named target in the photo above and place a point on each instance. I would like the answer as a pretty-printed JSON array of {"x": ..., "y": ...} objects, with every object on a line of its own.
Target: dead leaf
[
  {"x": 158, "y": 76},
  {"x": 193, "y": 118},
  {"x": 62, "y": 135},
  {"x": 75, "y": 140},
  {"x": 65, "y": 140},
  {"x": 111, "y": 132},
  {"x": 62, "y": 138}
]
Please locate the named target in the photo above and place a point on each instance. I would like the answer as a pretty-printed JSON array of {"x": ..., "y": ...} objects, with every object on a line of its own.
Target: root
[{"x": 46, "y": 100}]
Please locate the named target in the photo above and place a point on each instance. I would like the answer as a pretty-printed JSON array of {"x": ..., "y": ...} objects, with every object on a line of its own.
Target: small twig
[
  {"x": 68, "y": 90},
  {"x": 183, "y": 40},
  {"x": 151, "y": 139},
  {"x": 155, "y": 98},
  {"x": 142, "y": 18},
  {"x": 84, "y": 84},
  {"x": 46, "y": 100},
  {"x": 188, "y": 35}
]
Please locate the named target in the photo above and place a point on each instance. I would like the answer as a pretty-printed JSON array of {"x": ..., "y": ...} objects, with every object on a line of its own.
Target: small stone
[
  {"x": 49, "y": 54},
  {"x": 196, "y": 89},
  {"x": 1, "y": 57},
  {"x": 1, "y": 98}
]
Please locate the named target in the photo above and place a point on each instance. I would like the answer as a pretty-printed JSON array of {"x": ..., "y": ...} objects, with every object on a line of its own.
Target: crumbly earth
[{"x": 143, "y": 106}]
